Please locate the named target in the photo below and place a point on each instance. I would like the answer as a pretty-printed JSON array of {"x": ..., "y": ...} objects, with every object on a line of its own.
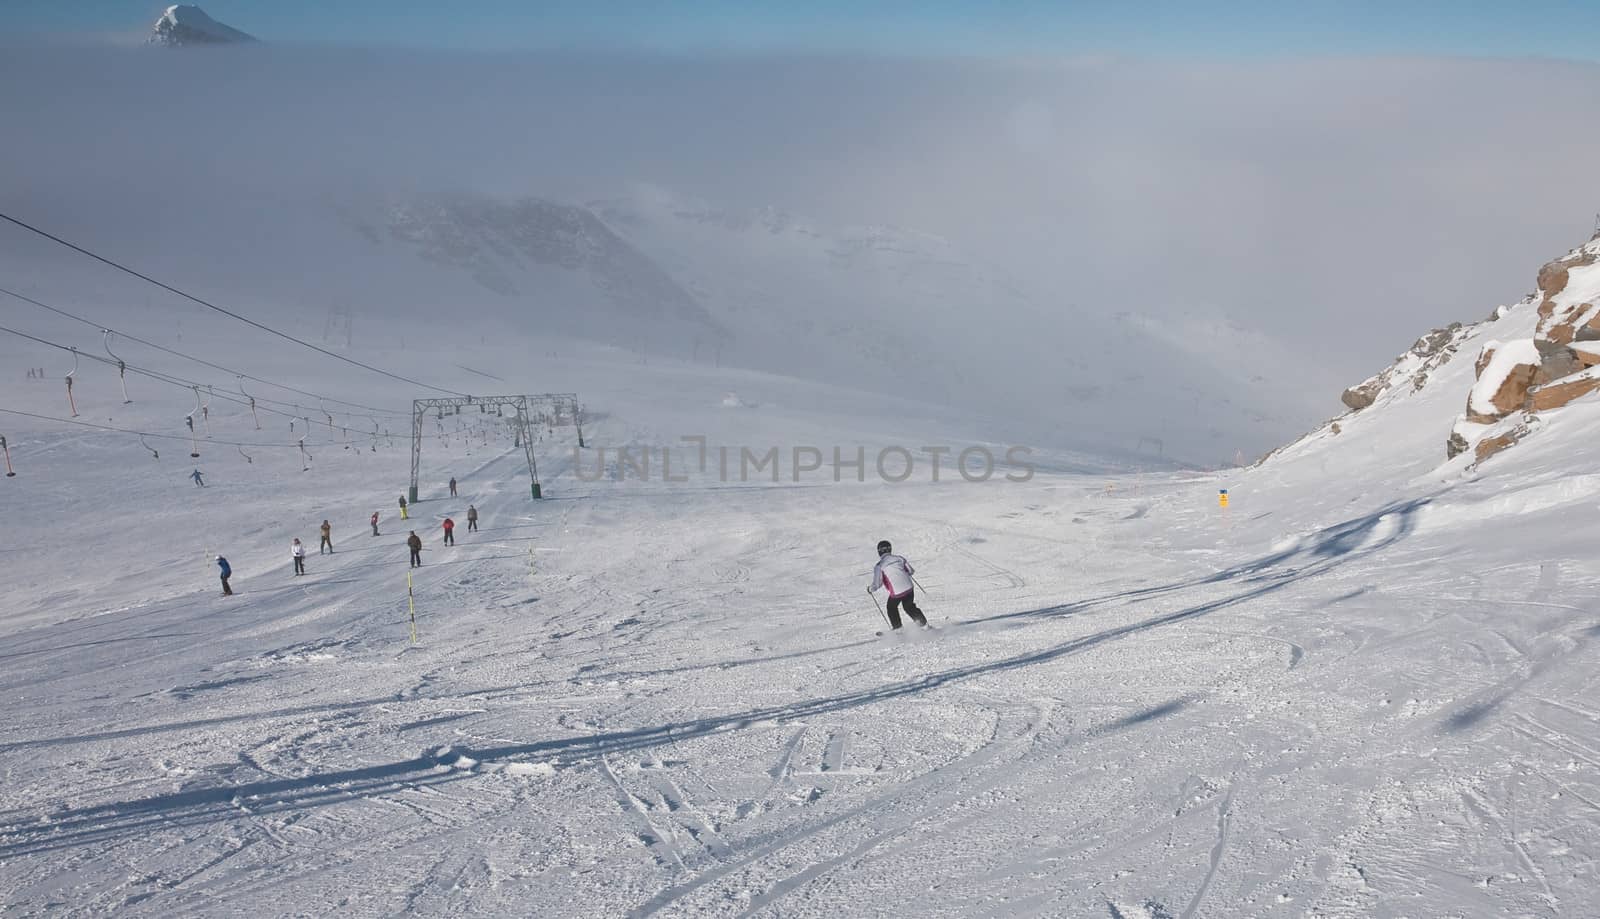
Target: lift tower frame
[{"x": 419, "y": 412}]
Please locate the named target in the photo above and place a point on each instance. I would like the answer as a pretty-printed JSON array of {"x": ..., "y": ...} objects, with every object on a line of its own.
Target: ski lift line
[
  {"x": 154, "y": 374},
  {"x": 226, "y": 312},
  {"x": 291, "y": 445},
  {"x": 198, "y": 360}
]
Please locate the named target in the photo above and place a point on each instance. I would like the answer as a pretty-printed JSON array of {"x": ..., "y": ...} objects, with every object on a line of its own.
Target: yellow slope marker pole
[{"x": 411, "y": 603}]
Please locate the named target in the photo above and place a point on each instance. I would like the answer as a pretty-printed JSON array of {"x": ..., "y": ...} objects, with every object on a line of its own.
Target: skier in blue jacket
[{"x": 227, "y": 572}]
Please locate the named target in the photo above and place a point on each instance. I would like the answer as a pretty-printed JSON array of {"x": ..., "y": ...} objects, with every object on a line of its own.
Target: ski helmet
[{"x": 883, "y": 547}]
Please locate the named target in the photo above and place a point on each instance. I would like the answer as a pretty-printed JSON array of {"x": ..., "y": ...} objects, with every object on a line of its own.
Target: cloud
[{"x": 1335, "y": 208}]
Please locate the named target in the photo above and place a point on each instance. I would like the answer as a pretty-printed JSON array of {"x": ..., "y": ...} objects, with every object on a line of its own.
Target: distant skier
[
  {"x": 375, "y": 523},
  {"x": 893, "y": 573},
  {"x": 452, "y": 486},
  {"x": 414, "y": 542},
  {"x": 327, "y": 539},
  {"x": 449, "y": 532},
  {"x": 298, "y": 551},
  {"x": 472, "y": 519},
  {"x": 227, "y": 572},
  {"x": 199, "y": 481},
  {"x": 403, "y": 514}
]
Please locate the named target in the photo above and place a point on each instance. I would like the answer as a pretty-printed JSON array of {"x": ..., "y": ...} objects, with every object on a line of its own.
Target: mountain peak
[{"x": 183, "y": 25}]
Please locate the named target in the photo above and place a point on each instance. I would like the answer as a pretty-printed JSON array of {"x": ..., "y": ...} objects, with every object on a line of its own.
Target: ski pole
[
  {"x": 880, "y": 608},
  {"x": 919, "y": 585}
]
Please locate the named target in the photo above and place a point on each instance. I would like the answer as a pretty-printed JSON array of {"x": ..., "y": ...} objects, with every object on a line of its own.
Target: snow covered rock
[
  {"x": 1506, "y": 434},
  {"x": 185, "y": 25},
  {"x": 1556, "y": 278},
  {"x": 1502, "y": 387},
  {"x": 1577, "y": 323},
  {"x": 1427, "y": 354}
]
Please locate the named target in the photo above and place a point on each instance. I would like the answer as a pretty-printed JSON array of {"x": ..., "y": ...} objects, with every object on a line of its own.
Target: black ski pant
[
  {"x": 472, "y": 524},
  {"x": 299, "y": 564},
  {"x": 449, "y": 537},
  {"x": 326, "y": 544},
  {"x": 416, "y": 558},
  {"x": 909, "y": 601},
  {"x": 226, "y": 590}
]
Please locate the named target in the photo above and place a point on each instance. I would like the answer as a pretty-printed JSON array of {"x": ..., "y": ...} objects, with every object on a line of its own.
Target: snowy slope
[{"x": 1363, "y": 689}]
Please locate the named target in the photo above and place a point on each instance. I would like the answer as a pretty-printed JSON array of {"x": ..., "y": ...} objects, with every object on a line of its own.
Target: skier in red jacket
[{"x": 449, "y": 532}]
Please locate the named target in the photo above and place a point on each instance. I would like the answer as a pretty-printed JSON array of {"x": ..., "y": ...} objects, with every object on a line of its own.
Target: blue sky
[{"x": 1000, "y": 28}]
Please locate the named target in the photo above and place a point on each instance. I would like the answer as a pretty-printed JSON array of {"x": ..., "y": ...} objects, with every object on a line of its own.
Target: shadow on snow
[{"x": 30, "y": 832}]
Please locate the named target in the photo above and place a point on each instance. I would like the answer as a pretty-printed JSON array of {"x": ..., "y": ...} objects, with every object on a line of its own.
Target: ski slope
[{"x": 1363, "y": 689}]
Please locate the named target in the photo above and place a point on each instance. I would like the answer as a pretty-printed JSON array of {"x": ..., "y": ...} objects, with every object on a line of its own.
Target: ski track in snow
[{"x": 1134, "y": 704}]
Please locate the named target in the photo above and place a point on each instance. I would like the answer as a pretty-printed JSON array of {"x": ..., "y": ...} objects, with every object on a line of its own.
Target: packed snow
[{"x": 1364, "y": 688}]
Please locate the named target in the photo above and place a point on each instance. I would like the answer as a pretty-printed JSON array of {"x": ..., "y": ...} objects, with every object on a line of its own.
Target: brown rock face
[
  {"x": 1455, "y": 446},
  {"x": 1511, "y": 395},
  {"x": 1357, "y": 398},
  {"x": 1484, "y": 357},
  {"x": 1552, "y": 279},
  {"x": 1489, "y": 446},
  {"x": 1559, "y": 393}
]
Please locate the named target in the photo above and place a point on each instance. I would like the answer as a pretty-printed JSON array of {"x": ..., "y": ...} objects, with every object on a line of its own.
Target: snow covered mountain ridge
[
  {"x": 184, "y": 24},
  {"x": 1530, "y": 360}
]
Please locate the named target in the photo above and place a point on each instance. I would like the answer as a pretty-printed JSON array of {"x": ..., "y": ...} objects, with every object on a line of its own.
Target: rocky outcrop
[
  {"x": 1554, "y": 277},
  {"x": 1518, "y": 379},
  {"x": 1425, "y": 355},
  {"x": 1552, "y": 280},
  {"x": 1558, "y": 393},
  {"x": 1503, "y": 382},
  {"x": 1359, "y": 397}
]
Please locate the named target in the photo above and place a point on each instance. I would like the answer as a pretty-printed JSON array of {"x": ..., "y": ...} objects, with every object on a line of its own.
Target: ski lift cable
[
  {"x": 265, "y": 445},
  {"x": 152, "y": 434},
  {"x": 199, "y": 360},
  {"x": 229, "y": 313},
  {"x": 190, "y": 385},
  {"x": 153, "y": 374}
]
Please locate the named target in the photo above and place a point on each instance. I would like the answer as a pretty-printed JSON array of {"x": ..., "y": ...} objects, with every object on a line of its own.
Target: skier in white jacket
[{"x": 893, "y": 573}]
